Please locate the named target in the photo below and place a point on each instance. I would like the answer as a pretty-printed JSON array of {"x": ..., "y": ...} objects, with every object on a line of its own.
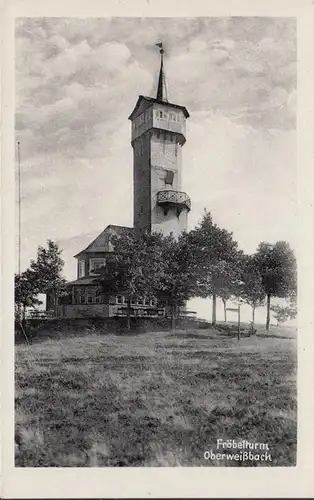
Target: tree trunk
[
  {"x": 128, "y": 324},
  {"x": 23, "y": 323},
  {"x": 225, "y": 309},
  {"x": 239, "y": 323},
  {"x": 268, "y": 312},
  {"x": 55, "y": 304},
  {"x": 19, "y": 312},
  {"x": 214, "y": 309},
  {"x": 173, "y": 317},
  {"x": 253, "y": 317}
]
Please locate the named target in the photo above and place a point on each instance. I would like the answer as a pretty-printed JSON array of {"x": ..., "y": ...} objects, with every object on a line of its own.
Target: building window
[
  {"x": 140, "y": 301},
  {"x": 133, "y": 302},
  {"x": 125, "y": 301},
  {"x": 96, "y": 264},
  {"x": 81, "y": 268},
  {"x": 90, "y": 296},
  {"x": 146, "y": 301},
  {"x": 82, "y": 298},
  {"x": 169, "y": 175},
  {"x": 161, "y": 114},
  {"x": 98, "y": 298},
  {"x": 119, "y": 299}
]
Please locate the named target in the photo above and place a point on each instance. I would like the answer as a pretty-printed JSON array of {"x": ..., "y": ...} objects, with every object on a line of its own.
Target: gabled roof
[
  {"x": 102, "y": 242},
  {"x": 144, "y": 102},
  {"x": 83, "y": 281}
]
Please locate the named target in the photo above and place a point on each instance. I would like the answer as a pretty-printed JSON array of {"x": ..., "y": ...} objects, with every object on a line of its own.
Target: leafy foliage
[
  {"x": 214, "y": 260},
  {"x": 43, "y": 276},
  {"x": 47, "y": 269},
  {"x": 251, "y": 290},
  {"x": 25, "y": 292},
  {"x": 150, "y": 265},
  {"x": 284, "y": 313},
  {"x": 277, "y": 265},
  {"x": 172, "y": 283},
  {"x": 130, "y": 267}
]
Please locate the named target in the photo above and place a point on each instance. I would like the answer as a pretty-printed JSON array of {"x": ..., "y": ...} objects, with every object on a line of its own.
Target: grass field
[{"x": 159, "y": 399}]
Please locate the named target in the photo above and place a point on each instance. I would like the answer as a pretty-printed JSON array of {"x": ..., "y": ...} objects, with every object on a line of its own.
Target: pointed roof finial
[{"x": 161, "y": 89}]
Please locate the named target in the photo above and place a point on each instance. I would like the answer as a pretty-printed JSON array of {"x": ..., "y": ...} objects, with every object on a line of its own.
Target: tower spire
[{"x": 161, "y": 89}]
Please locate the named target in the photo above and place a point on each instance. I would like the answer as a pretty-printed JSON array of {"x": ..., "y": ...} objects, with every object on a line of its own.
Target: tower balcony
[{"x": 173, "y": 199}]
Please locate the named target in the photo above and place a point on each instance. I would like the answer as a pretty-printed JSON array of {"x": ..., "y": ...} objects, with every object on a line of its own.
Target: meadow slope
[{"x": 158, "y": 399}]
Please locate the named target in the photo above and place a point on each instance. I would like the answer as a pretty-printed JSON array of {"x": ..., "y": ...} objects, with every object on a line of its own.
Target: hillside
[{"x": 158, "y": 399}]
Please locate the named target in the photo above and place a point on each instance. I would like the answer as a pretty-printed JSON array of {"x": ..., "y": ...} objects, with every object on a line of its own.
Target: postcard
[{"x": 157, "y": 242}]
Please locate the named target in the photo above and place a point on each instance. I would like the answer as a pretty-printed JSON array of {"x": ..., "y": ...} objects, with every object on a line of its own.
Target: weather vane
[{"x": 161, "y": 47}]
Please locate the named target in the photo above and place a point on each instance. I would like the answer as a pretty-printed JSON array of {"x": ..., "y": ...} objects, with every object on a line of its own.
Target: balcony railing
[{"x": 177, "y": 198}]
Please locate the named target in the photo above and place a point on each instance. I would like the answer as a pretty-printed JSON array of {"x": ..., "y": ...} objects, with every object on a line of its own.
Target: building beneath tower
[{"x": 157, "y": 137}]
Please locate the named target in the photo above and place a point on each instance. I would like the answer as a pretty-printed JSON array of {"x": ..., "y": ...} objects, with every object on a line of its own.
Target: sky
[{"x": 77, "y": 81}]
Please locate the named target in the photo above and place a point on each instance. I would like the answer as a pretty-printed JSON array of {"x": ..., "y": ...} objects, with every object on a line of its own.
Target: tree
[
  {"x": 284, "y": 313},
  {"x": 172, "y": 283},
  {"x": 251, "y": 290},
  {"x": 25, "y": 293},
  {"x": 131, "y": 268},
  {"x": 228, "y": 281},
  {"x": 214, "y": 260},
  {"x": 278, "y": 268},
  {"x": 149, "y": 265},
  {"x": 47, "y": 270}
]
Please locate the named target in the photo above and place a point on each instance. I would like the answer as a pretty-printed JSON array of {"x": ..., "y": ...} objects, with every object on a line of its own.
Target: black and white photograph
[
  {"x": 154, "y": 252},
  {"x": 156, "y": 282}
]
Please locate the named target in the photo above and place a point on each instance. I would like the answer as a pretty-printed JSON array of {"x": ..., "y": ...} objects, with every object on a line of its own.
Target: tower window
[
  {"x": 96, "y": 264},
  {"x": 169, "y": 175},
  {"x": 160, "y": 114},
  {"x": 81, "y": 268}
]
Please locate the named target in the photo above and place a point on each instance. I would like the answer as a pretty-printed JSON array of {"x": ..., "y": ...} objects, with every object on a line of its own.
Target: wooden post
[
  {"x": 239, "y": 322},
  {"x": 225, "y": 309},
  {"x": 173, "y": 317},
  {"x": 268, "y": 313},
  {"x": 214, "y": 309}
]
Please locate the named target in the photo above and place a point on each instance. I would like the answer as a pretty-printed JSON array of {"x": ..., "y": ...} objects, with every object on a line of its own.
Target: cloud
[
  {"x": 246, "y": 178},
  {"x": 77, "y": 81}
]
